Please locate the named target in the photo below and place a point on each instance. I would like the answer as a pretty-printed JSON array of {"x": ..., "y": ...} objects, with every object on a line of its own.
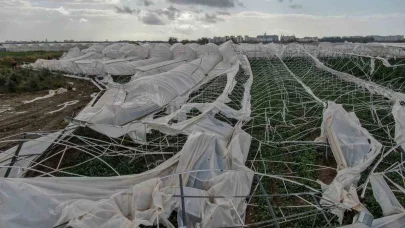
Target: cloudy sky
[{"x": 160, "y": 19}]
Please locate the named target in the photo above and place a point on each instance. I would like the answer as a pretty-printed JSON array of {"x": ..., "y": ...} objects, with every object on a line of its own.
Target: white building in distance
[
  {"x": 267, "y": 38},
  {"x": 239, "y": 39}
]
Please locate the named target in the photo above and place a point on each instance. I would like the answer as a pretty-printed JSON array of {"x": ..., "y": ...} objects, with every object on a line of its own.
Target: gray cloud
[
  {"x": 211, "y": 3},
  {"x": 194, "y": 10},
  {"x": 125, "y": 10},
  {"x": 184, "y": 29},
  {"x": 147, "y": 2},
  {"x": 295, "y": 6},
  {"x": 223, "y": 13},
  {"x": 171, "y": 13},
  {"x": 211, "y": 18},
  {"x": 151, "y": 18}
]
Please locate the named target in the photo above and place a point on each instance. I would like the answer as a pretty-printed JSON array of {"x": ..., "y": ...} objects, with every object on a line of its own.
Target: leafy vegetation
[
  {"x": 25, "y": 79},
  {"x": 283, "y": 111},
  {"x": 28, "y": 80},
  {"x": 6, "y": 58}
]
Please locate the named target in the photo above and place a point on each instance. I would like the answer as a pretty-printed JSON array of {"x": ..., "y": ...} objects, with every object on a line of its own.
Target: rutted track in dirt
[{"x": 19, "y": 117}]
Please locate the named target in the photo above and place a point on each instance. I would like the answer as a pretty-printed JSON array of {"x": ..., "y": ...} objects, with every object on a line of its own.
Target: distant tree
[
  {"x": 234, "y": 40},
  {"x": 185, "y": 41},
  {"x": 173, "y": 40},
  {"x": 203, "y": 41}
]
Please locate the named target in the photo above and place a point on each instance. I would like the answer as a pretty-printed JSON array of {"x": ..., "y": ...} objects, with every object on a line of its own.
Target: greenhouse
[{"x": 236, "y": 135}]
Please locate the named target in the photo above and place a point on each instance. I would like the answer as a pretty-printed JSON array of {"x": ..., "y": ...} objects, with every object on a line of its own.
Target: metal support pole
[
  {"x": 320, "y": 208},
  {"x": 183, "y": 207},
  {"x": 14, "y": 159},
  {"x": 268, "y": 202}
]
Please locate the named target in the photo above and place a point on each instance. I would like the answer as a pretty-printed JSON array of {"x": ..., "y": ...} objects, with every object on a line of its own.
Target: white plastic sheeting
[
  {"x": 68, "y": 65},
  {"x": 322, "y": 49},
  {"x": 193, "y": 46},
  {"x": 145, "y": 95},
  {"x": 354, "y": 150},
  {"x": 94, "y": 48},
  {"x": 157, "y": 68},
  {"x": 181, "y": 54},
  {"x": 42, "y": 47},
  {"x": 393, "y": 221},
  {"x": 205, "y": 122},
  {"x": 372, "y": 87},
  {"x": 100, "y": 67},
  {"x": 142, "y": 96},
  {"x": 398, "y": 112},
  {"x": 29, "y": 151},
  {"x": 131, "y": 50},
  {"x": 384, "y": 195},
  {"x": 140, "y": 199},
  {"x": 113, "y": 51},
  {"x": 72, "y": 53},
  {"x": 159, "y": 53},
  {"x": 115, "y": 59},
  {"x": 145, "y": 198}
]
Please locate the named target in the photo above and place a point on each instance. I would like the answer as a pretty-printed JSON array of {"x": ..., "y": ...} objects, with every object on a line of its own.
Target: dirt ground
[{"x": 17, "y": 117}]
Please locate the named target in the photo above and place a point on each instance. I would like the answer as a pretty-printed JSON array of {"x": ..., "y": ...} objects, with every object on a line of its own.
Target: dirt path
[{"x": 17, "y": 117}]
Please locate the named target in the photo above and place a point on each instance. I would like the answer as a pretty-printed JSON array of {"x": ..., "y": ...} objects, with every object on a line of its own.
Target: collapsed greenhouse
[{"x": 247, "y": 135}]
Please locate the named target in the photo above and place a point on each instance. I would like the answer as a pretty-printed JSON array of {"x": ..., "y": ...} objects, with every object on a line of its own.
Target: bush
[{"x": 28, "y": 80}]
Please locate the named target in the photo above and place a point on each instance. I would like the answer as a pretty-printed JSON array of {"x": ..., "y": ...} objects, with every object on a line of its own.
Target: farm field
[
  {"x": 6, "y": 58},
  {"x": 24, "y": 84},
  {"x": 299, "y": 138},
  {"x": 287, "y": 110}
]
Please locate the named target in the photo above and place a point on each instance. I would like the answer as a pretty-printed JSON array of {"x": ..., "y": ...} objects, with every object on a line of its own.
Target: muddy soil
[{"x": 17, "y": 117}]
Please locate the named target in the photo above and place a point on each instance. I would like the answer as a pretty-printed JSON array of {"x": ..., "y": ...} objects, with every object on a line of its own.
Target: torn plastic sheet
[
  {"x": 181, "y": 55},
  {"x": 183, "y": 52},
  {"x": 159, "y": 53},
  {"x": 63, "y": 106},
  {"x": 99, "y": 67},
  {"x": 145, "y": 95},
  {"x": 393, "y": 221},
  {"x": 323, "y": 49},
  {"x": 67, "y": 65},
  {"x": 51, "y": 93},
  {"x": 398, "y": 112},
  {"x": 372, "y": 87},
  {"x": 138, "y": 199},
  {"x": 129, "y": 68},
  {"x": 354, "y": 150},
  {"x": 193, "y": 46},
  {"x": 384, "y": 195},
  {"x": 30, "y": 151},
  {"x": 157, "y": 68},
  {"x": 94, "y": 48},
  {"x": 85, "y": 62},
  {"x": 205, "y": 122},
  {"x": 72, "y": 53},
  {"x": 137, "y": 129}
]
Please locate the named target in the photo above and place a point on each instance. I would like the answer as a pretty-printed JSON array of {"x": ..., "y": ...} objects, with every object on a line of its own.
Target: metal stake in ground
[
  {"x": 14, "y": 159},
  {"x": 183, "y": 207}
]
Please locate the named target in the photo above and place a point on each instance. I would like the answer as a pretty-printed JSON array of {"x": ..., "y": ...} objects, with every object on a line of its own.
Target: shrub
[{"x": 28, "y": 80}]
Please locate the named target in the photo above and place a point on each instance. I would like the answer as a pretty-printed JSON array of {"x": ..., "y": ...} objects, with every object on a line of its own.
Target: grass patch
[
  {"x": 6, "y": 58},
  {"x": 28, "y": 80}
]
